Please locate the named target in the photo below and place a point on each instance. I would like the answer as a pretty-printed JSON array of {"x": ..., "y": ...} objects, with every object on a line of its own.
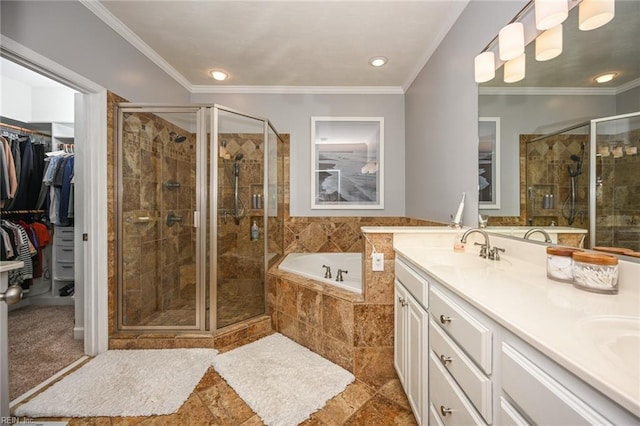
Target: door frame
[{"x": 91, "y": 254}]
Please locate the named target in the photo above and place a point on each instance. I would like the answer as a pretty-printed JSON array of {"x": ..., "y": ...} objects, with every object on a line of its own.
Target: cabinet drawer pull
[
  {"x": 445, "y": 359},
  {"x": 403, "y": 301},
  {"x": 444, "y": 411},
  {"x": 444, "y": 319}
]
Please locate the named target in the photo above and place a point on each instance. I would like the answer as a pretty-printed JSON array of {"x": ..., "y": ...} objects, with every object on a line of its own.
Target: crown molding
[
  {"x": 301, "y": 90},
  {"x": 549, "y": 91},
  {"x": 120, "y": 28},
  {"x": 628, "y": 86}
]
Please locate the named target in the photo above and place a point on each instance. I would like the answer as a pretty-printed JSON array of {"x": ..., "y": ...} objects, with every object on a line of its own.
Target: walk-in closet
[{"x": 37, "y": 209}]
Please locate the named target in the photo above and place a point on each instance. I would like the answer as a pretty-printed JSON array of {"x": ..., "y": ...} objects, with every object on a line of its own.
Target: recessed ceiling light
[
  {"x": 605, "y": 78},
  {"x": 378, "y": 61},
  {"x": 219, "y": 75}
]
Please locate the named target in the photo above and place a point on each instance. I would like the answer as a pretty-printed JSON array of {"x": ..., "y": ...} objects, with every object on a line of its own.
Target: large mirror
[{"x": 565, "y": 137}]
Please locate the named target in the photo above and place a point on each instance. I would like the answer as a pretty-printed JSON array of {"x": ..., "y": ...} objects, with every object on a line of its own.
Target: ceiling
[{"x": 285, "y": 44}]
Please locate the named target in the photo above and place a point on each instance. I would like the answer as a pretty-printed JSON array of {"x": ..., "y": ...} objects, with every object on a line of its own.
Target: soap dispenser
[{"x": 254, "y": 231}]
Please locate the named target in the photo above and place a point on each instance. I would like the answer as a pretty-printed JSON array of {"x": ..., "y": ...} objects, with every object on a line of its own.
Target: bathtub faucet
[
  {"x": 339, "y": 276},
  {"x": 327, "y": 271}
]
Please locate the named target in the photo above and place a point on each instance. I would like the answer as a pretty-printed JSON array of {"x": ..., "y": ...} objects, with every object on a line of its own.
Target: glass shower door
[
  {"x": 615, "y": 199},
  {"x": 239, "y": 265},
  {"x": 158, "y": 285}
]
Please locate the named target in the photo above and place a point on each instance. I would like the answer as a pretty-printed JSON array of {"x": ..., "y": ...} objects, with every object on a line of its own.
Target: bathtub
[{"x": 309, "y": 265}]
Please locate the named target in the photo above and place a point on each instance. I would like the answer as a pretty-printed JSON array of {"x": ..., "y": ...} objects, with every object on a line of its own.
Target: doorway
[{"x": 37, "y": 125}]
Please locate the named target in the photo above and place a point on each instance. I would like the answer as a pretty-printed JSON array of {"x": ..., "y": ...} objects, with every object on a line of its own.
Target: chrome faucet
[
  {"x": 339, "y": 276},
  {"x": 327, "y": 271},
  {"x": 547, "y": 238},
  {"x": 484, "y": 248}
]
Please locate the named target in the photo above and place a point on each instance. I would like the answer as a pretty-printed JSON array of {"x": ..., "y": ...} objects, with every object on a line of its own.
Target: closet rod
[
  {"x": 21, "y": 211},
  {"x": 22, "y": 129}
]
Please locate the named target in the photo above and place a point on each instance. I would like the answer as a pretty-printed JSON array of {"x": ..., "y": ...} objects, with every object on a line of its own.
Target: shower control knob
[{"x": 12, "y": 296}]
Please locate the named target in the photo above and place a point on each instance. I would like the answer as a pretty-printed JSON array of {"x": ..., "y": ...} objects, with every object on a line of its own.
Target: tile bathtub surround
[{"x": 354, "y": 331}]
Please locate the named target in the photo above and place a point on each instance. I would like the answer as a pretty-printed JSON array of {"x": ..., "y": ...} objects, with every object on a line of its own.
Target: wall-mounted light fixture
[
  {"x": 514, "y": 70},
  {"x": 485, "y": 67},
  {"x": 549, "y": 44},
  {"x": 550, "y": 13},
  {"x": 593, "y": 14},
  {"x": 511, "y": 41}
]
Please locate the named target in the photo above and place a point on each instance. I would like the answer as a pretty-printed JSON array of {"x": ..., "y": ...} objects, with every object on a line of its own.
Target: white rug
[
  {"x": 280, "y": 380},
  {"x": 124, "y": 383}
]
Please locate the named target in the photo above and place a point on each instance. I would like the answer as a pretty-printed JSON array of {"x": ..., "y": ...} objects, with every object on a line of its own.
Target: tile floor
[{"x": 214, "y": 402}]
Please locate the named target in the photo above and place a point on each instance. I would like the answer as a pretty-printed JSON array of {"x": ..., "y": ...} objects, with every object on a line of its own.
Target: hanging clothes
[
  {"x": 7, "y": 172},
  {"x": 23, "y": 250},
  {"x": 58, "y": 179}
]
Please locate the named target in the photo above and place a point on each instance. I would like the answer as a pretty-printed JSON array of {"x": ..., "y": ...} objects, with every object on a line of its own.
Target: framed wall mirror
[{"x": 347, "y": 162}]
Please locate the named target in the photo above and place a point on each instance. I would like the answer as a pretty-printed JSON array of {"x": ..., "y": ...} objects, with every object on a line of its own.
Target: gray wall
[
  {"x": 69, "y": 34},
  {"x": 442, "y": 117},
  {"x": 534, "y": 114},
  {"x": 292, "y": 114},
  {"x": 628, "y": 101}
]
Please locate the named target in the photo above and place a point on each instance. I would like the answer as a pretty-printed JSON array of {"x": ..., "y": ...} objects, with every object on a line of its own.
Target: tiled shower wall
[
  {"x": 238, "y": 256},
  {"x": 548, "y": 161}
]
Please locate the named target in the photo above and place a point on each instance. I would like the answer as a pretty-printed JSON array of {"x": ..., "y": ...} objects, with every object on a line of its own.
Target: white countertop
[
  {"x": 576, "y": 329},
  {"x": 507, "y": 230},
  {"x": 10, "y": 265}
]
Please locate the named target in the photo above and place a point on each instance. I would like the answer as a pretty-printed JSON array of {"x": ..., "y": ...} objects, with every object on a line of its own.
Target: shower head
[
  {"x": 238, "y": 157},
  {"x": 174, "y": 137}
]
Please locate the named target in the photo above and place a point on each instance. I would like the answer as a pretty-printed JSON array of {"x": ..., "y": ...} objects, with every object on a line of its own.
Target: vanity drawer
[
  {"x": 451, "y": 405},
  {"x": 473, "y": 382},
  {"x": 63, "y": 236},
  {"x": 541, "y": 397},
  {"x": 414, "y": 283},
  {"x": 471, "y": 335}
]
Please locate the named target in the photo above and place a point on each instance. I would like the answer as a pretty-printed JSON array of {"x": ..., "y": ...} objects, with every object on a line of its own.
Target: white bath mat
[
  {"x": 280, "y": 380},
  {"x": 124, "y": 383}
]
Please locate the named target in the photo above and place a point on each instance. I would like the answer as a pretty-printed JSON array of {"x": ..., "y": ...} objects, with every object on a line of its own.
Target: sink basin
[{"x": 617, "y": 338}]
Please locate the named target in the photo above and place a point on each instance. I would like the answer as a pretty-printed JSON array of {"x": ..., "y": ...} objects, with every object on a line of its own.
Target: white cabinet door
[
  {"x": 411, "y": 350},
  {"x": 399, "y": 343},
  {"x": 417, "y": 358}
]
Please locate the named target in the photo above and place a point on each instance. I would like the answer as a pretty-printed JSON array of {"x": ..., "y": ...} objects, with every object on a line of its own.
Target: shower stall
[
  {"x": 188, "y": 179},
  {"x": 588, "y": 176}
]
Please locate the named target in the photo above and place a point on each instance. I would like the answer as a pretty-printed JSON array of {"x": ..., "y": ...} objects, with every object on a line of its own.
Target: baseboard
[{"x": 78, "y": 333}]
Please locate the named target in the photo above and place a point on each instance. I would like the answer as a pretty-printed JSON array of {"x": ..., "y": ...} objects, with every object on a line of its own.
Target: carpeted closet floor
[{"x": 41, "y": 343}]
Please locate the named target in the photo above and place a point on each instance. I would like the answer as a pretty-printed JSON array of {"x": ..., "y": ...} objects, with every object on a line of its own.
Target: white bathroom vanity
[{"x": 497, "y": 342}]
